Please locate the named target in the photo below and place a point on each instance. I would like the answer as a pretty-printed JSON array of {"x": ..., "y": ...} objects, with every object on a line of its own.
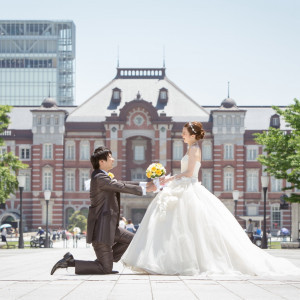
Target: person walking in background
[
  {"x": 130, "y": 226},
  {"x": 249, "y": 230},
  {"x": 122, "y": 222},
  {"x": 3, "y": 234}
]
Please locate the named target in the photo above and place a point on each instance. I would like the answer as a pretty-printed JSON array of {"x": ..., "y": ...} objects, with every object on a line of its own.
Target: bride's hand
[{"x": 164, "y": 180}]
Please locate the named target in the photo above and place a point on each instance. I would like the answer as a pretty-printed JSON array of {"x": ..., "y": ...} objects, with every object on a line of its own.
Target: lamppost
[
  {"x": 264, "y": 184},
  {"x": 235, "y": 196},
  {"x": 21, "y": 181},
  {"x": 288, "y": 193},
  {"x": 47, "y": 195}
]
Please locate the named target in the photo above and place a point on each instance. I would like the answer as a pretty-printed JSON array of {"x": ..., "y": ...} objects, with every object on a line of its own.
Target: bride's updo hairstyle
[{"x": 195, "y": 128}]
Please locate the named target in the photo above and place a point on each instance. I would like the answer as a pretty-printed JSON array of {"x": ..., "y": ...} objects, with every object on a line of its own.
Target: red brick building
[{"x": 139, "y": 115}]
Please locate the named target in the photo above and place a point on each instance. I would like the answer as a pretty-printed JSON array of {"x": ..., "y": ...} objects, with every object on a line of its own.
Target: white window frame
[
  {"x": 276, "y": 185},
  {"x": 70, "y": 181},
  {"x": 84, "y": 174},
  {"x": 3, "y": 150},
  {"x": 84, "y": 150},
  {"x": 138, "y": 175},
  {"x": 252, "y": 208},
  {"x": 47, "y": 179},
  {"x": 24, "y": 148},
  {"x": 48, "y": 151},
  {"x": 139, "y": 153},
  {"x": 163, "y": 94},
  {"x": 252, "y": 180},
  {"x": 228, "y": 152},
  {"x": 228, "y": 179},
  {"x": 275, "y": 208},
  {"x": 252, "y": 153},
  {"x": 177, "y": 150},
  {"x": 27, "y": 174},
  {"x": 207, "y": 179},
  {"x": 70, "y": 150},
  {"x": 206, "y": 151}
]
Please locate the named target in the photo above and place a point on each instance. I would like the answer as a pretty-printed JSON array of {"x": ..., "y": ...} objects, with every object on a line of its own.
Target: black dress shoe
[
  {"x": 114, "y": 272},
  {"x": 67, "y": 261}
]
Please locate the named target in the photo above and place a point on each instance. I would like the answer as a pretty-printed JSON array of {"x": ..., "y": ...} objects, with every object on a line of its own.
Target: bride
[{"x": 188, "y": 231}]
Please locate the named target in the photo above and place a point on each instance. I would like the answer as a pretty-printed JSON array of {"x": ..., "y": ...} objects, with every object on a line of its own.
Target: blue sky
[{"x": 253, "y": 44}]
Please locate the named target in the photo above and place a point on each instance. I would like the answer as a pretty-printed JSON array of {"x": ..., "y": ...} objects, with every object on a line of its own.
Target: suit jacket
[{"x": 104, "y": 212}]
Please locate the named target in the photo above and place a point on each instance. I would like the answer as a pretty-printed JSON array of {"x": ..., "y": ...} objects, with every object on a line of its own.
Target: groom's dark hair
[{"x": 100, "y": 153}]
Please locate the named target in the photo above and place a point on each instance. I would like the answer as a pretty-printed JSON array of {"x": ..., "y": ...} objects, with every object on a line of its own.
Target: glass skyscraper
[{"x": 37, "y": 58}]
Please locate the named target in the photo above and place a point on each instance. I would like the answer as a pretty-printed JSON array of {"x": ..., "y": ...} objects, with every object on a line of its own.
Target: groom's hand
[{"x": 150, "y": 187}]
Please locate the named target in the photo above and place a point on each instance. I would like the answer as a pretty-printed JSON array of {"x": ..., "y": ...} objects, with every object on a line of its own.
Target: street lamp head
[
  {"x": 235, "y": 195},
  {"x": 47, "y": 195},
  {"x": 264, "y": 181},
  {"x": 21, "y": 180}
]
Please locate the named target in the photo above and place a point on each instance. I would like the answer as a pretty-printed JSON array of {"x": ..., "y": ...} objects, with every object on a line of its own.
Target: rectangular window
[
  {"x": 206, "y": 152},
  {"x": 207, "y": 179},
  {"x": 252, "y": 180},
  {"x": 48, "y": 151},
  {"x": 2, "y": 150},
  {"x": 70, "y": 181},
  {"x": 47, "y": 180},
  {"x": 275, "y": 217},
  {"x": 84, "y": 175},
  {"x": 228, "y": 151},
  {"x": 276, "y": 184},
  {"x": 252, "y": 210},
  {"x": 252, "y": 153},
  {"x": 177, "y": 150},
  {"x": 139, "y": 153},
  {"x": 56, "y": 120},
  {"x": 24, "y": 153},
  {"x": 27, "y": 186},
  {"x": 84, "y": 151},
  {"x": 70, "y": 151},
  {"x": 228, "y": 181},
  {"x": 138, "y": 175}
]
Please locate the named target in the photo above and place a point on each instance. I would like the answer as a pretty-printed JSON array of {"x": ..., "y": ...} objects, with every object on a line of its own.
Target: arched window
[
  {"x": 84, "y": 211},
  {"x": 69, "y": 213}
]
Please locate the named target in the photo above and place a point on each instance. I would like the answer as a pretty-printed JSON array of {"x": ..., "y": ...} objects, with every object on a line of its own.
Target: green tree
[
  {"x": 9, "y": 163},
  {"x": 282, "y": 148},
  {"x": 77, "y": 220}
]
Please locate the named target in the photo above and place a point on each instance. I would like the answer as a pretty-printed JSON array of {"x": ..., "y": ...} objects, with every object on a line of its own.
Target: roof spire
[
  {"x": 164, "y": 57},
  {"x": 228, "y": 83}
]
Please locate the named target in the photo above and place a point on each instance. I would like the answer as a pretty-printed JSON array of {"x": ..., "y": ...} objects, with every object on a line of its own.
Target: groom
[{"x": 108, "y": 239}]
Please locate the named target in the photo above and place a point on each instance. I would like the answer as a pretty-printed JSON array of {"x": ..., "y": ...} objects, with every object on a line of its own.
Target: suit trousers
[{"x": 106, "y": 254}]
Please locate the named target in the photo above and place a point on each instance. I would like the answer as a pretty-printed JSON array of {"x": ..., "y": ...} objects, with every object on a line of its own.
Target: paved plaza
[{"x": 25, "y": 274}]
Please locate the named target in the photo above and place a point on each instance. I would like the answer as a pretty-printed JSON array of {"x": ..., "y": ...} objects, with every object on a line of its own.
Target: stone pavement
[{"x": 25, "y": 274}]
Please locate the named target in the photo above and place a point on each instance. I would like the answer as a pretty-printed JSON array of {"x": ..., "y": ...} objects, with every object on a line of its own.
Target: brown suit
[{"x": 109, "y": 241}]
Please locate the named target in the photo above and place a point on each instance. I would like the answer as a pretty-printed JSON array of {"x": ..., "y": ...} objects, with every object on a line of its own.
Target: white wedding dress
[{"x": 188, "y": 231}]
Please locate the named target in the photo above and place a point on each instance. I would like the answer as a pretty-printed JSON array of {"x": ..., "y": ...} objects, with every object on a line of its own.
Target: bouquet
[{"x": 155, "y": 171}]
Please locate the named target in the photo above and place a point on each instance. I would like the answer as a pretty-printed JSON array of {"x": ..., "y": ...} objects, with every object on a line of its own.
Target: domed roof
[
  {"x": 49, "y": 102},
  {"x": 228, "y": 103}
]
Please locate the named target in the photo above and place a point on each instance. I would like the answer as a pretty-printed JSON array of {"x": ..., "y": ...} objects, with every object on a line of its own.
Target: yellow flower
[
  {"x": 111, "y": 175},
  {"x": 158, "y": 172},
  {"x": 153, "y": 169},
  {"x": 148, "y": 174}
]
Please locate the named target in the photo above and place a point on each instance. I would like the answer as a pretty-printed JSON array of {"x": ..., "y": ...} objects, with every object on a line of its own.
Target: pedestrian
[
  {"x": 3, "y": 234},
  {"x": 130, "y": 227},
  {"x": 122, "y": 222}
]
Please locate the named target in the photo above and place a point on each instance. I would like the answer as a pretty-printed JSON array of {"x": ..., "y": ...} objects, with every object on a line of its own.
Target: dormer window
[
  {"x": 275, "y": 121},
  {"x": 163, "y": 95},
  {"x": 116, "y": 95}
]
